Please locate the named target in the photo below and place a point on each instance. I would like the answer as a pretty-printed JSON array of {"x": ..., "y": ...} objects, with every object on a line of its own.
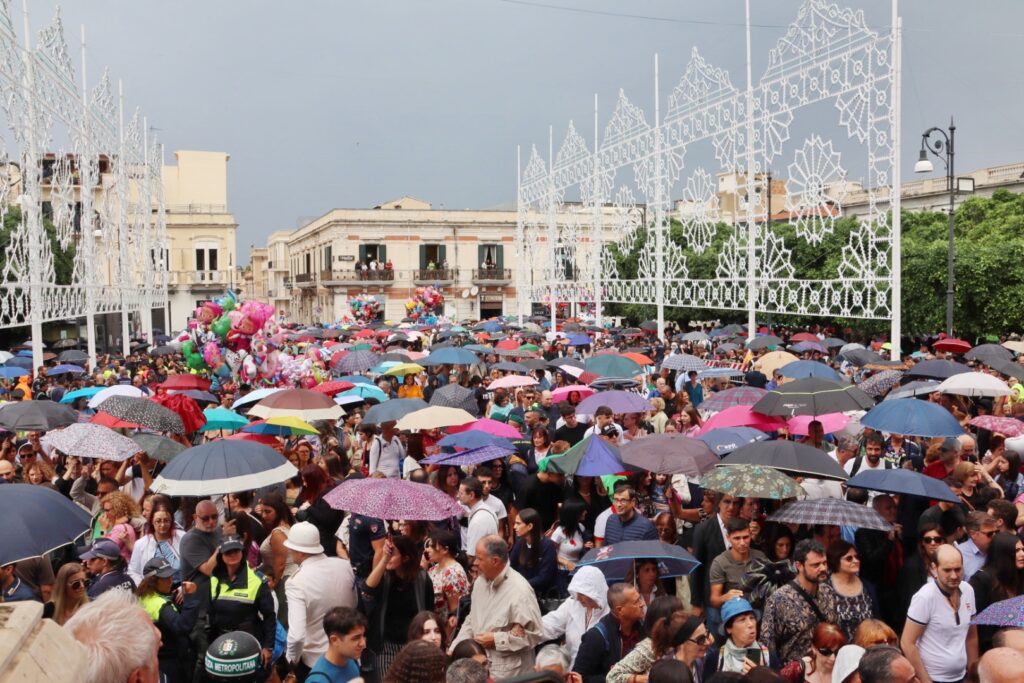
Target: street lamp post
[{"x": 941, "y": 144}]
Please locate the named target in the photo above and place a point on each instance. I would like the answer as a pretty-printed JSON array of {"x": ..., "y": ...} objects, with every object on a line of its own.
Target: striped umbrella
[
  {"x": 281, "y": 426},
  {"x": 301, "y": 403}
]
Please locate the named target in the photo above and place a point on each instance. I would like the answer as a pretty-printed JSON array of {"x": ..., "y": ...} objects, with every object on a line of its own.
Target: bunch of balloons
[
  {"x": 425, "y": 302},
  {"x": 222, "y": 332},
  {"x": 365, "y": 308}
]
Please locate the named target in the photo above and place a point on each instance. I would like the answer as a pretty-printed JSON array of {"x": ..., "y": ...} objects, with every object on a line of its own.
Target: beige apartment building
[{"x": 310, "y": 274}]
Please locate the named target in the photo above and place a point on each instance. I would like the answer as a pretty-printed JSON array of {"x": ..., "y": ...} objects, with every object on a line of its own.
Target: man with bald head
[
  {"x": 199, "y": 546},
  {"x": 938, "y": 637},
  {"x": 1001, "y": 665}
]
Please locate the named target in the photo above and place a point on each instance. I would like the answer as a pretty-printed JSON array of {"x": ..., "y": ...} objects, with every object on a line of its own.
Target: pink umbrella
[
  {"x": 562, "y": 393},
  {"x": 393, "y": 499},
  {"x": 1007, "y": 426},
  {"x": 831, "y": 423},
  {"x": 492, "y": 427},
  {"x": 511, "y": 381},
  {"x": 742, "y": 416}
]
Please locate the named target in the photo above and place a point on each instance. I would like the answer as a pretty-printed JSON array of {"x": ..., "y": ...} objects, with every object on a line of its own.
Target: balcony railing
[
  {"x": 202, "y": 278},
  {"x": 304, "y": 277},
  {"x": 431, "y": 275},
  {"x": 487, "y": 275},
  {"x": 378, "y": 278}
]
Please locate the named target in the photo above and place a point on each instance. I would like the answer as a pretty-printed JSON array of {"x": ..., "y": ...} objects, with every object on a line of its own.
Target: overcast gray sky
[{"x": 348, "y": 103}]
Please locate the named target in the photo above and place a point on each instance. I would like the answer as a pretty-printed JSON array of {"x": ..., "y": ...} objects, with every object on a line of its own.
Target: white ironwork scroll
[{"x": 822, "y": 119}]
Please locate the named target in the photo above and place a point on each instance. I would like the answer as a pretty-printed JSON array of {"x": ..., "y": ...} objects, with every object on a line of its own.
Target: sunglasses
[
  {"x": 701, "y": 639},
  {"x": 206, "y": 518},
  {"x": 78, "y": 584},
  {"x": 826, "y": 651},
  {"x": 932, "y": 540},
  {"x": 987, "y": 534}
]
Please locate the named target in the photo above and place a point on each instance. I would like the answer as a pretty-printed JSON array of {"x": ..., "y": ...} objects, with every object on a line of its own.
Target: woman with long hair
[
  {"x": 40, "y": 473},
  {"x": 68, "y": 593},
  {"x": 1008, "y": 474},
  {"x": 447, "y": 478},
  {"x": 162, "y": 539},
  {"x": 854, "y": 598},
  {"x": 534, "y": 555},
  {"x": 592, "y": 492},
  {"x": 447, "y": 575},
  {"x": 644, "y": 577},
  {"x": 155, "y": 597},
  {"x": 427, "y": 625},
  {"x": 394, "y": 592},
  {"x": 570, "y": 535},
  {"x": 816, "y": 666},
  {"x": 976, "y": 487},
  {"x": 691, "y": 420},
  {"x": 664, "y": 617},
  {"x": 1000, "y": 578},
  {"x": 313, "y": 508},
  {"x": 116, "y": 521},
  {"x": 275, "y": 561}
]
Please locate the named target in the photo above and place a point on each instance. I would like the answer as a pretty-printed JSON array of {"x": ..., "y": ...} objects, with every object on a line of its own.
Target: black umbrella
[
  {"x": 860, "y": 357},
  {"x": 649, "y": 325},
  {"x": 833, "y": 343},
  {"x": 669, "y": 454},
  {"x": 73, "y": 356},
  {"x": 36, "y": 416},
  {"x": 534, "y": 363},
  {"x": 989, "y": 354},
  {"x": 764, "y": 342},
  {"x": 396, "y": 356},
  {"x": 509, "y": 366},
  {"x": 789, "y": 457},
  {"x": 813, "y": 396},
  {"x": 936, "y": 369},
  {"x": 158, "y": 447},
  {"x": 455, "y": 396},
  {"x": 163, "y": 351},
  {"x": 559, "y": 363},
  {"x": 19, "y": 362},
  {"x": 161, "y": 338},
  {"x": 66, "y": 344},
  {"x": 144, "y": 412},
  {"x": 37, "y": 520},
  {"x": 1008, "y": 368}
]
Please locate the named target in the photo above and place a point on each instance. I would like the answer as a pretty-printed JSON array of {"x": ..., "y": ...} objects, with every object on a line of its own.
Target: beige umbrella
[
  {"x": 770, "y": 362},
  {"x": 1015, "y": 346},
  {"x": 434, "y": 417}
]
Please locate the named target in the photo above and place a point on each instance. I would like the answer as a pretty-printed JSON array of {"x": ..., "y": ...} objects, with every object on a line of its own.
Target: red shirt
[{"x": 937, "y": 470}]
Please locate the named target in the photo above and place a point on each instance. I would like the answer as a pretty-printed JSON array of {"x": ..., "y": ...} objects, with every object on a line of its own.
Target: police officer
[
  {"x": 156, "y": 598},
  {"x": 239, "y": 599}
]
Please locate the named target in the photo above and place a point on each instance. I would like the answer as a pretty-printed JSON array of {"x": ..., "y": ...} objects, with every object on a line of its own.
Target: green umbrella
[
  {"x": 612, "y": 365},
  {"x": 158, "y": 447},
  {"x": 753, "y": 481},
  {"x": 222, "y": 418}
]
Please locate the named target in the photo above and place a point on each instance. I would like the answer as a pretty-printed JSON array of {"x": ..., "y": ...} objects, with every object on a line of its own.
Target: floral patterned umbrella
[
  {"x": 738, "y": 396},
  {"x": 393, "y": 499},
  {"x": 754, "y": 481},
  {"x": 881, "y": 382},
  {"x": 143, "y": 412},
  {"x": 1007, "y": 426},
  {"x": 1005, "y": 613},
  {"x": 85, "y": 439}
]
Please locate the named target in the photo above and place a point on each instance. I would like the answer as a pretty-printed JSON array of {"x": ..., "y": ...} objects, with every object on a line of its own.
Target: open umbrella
[
  {"x": 880, "y": 382},
  {"x": 952, "y": 345},
  {"x": 87, "y": 392},
  {"x": 333, "y": 387},
  {"x": 617, "y": 560},
  {"x": 974, "y": 384},
  {"x": 301, "y": 403},
  {"x": 36, "y": 521},
  {"x": 157, "y": 447},
  {"x": 393, "y": 499},
  {"x": 725, "y": 440},
  {"x": 13, "y": 373},
  {"x": 143, "y": 412},
  {"x": 919, "y": 387},
  {"x": 66, "y": 369},
  {"x": 770, "y": 362},
  {"x": 737, "y": 396},
  {"x": 451, "y": 356},
  {"x": 434, "y": 417},
  {"x": 562, "y": 393},
  {"x": 164, "y": 350},
  {"x": 683, "y": 362},
  {"x": 87, "y": 440},
  {"x": 1007, "y": 426},
  {"x": 989, "y": 353},
  {"x": 813, "y": 396},
  {"x": 911, "y": 417},
  {"x": 472, "y": 456},
  {"x": 473, "y": 439},
  {"x": 511, "y": 381},
  {"x": 23, "y": 363},
  {"x": 192, "y": 418},
  {"x": 1003, "y": 614},
  {"x": 186, "y": 381},
  {"x": 802, "y": 369},
  {"x": 764, "y": 342},
  {"x": 591, "y": 457},
  {"x": 363, "y": 391},
  {"x": 859, "y": 357},
  {"x": 830, "y": 424},
  {"x": 254, "y": 396},
  {"x": 611, "y": 365},
  {"x": 936, "y": 369},
  {"x": 619, "y": 402},
  {"x": 116, "y": 390},
  {"x": 393, "y": 410},
  {"x": 36, "y": 416},
  {"x": 356, "y": 361},
  {"x": 403, "y": 369},
  {"x": 789, "y": 457},
  {"x": 753, "y": 481},
  {"x": 223, "y": 466},
  {"x": 222, "y": 418},
  {"x": 743, "y": 416},
  {"x": 830, "y": 511},
  {"x": 455, "y": 396},
  {"x": 669, "y": 454},
  {"x": 284, "y": 425},
  {"x": 903, "y": 482}
]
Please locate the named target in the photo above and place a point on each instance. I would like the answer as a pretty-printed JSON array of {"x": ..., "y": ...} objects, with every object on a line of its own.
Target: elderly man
[
  {"x": 980, "y": 529},
  {"x": 320, "y": 584},
  {"x": 199, "y": 546},
  {"x": 119, "y": 638},
  {"x": 885, "y": 664},
  {"x": 504, "y": 616},
  {"x": 938, "y": 637},
  {"x": 1001, "y": 665}
]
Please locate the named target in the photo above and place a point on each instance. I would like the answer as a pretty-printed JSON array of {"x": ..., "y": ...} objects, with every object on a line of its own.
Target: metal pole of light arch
[{"x": 939, "y": 143}]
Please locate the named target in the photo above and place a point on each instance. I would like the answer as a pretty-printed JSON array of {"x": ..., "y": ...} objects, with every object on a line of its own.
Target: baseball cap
[
  {"x": 103, "y": 548},
  {"x": 847, "y": 661},
  {"x": 158, "y": 567},
  {"x": 230, "y": 543}
]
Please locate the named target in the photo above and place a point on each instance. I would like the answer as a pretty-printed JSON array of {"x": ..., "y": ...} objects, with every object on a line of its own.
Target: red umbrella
[
  {"x": 952, "y": 345},
  {"x": 805, "y": 336},
  {"x": 332, "y": 388},
  {"x": 363, "y": 334},
  {"x": 588, "y": 377},
  {"x": 265, "y": 439},
  {"x": 186, "y": 381},
  {"x": 191, "y": 414},
  {"x": 509, "y": 344},
  {"x": 108, "y": 420}
]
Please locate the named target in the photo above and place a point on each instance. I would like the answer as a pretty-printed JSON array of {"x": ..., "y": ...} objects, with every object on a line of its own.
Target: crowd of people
[{"x": 277, "y": 584}]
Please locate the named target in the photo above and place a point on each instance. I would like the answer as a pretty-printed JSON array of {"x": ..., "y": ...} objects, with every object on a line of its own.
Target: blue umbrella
[
  {"x": 223, "y": 466},
  {"x": 24, "y": 353},
  {"x": 911, "y": 417},
  {"x": 490, "y": 326},
  {"x": 473, "y": 456},
  {"x": 592, "y": 457},
  {"x": 580, "y": 340},
  {"x": 393, "y": 410},
  {"x": 617, "y": 560},
  {"x": 71, "y": 396},
  {"x": 222, "y": 418},
  {"x": 725, "y": 440},
  {"x": 904, "y": 482},
  {"x": 365, "y": 391},
  {"x": 801, "y": 369},
  {"x": 66, "y": 370},
  {"x": 37, "y": 520},
  {"x": 19, "y": 362},
  {"x": 450, "y": 356},
  {"x": 13, "y": 373},
  {"x": 611, "y": 365},
  {"x": 355, "y": 379},
  {"x": 473, "y": 438}
]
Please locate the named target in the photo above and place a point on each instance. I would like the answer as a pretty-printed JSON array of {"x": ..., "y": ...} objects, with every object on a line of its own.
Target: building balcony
[
  {"x": 492, "y": 276},
  {"x": 203, "y": 279},
  {"x": 374, "y": 278},
  {"x": 429, "y": 276},
  {"x": 305, "y": 279}
]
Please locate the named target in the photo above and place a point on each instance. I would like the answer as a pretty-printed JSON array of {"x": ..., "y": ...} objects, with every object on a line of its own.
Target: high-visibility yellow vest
[
  {"x": 152, "y": 604},
  {"x": 220, "y": 591}
]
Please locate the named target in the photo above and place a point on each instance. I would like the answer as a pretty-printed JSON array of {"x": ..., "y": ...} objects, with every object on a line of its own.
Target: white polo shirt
[{"x": 943, "y": 645}]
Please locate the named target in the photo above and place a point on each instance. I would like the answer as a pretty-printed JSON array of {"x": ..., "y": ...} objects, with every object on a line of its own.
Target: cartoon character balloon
[{"x": 426, "y": 302}]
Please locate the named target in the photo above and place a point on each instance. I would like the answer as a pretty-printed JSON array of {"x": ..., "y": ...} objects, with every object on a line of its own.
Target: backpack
[{"x": 859, "y": 460}]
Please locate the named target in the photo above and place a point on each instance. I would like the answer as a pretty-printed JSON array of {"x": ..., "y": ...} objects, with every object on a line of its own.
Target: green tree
[{"x": 63, "y": 259}]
